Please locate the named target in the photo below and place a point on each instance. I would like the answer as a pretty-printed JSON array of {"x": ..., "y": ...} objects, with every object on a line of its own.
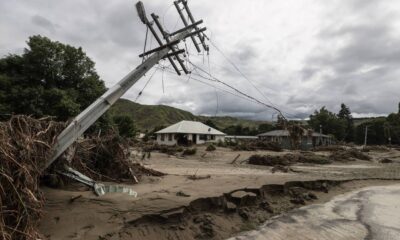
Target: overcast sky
[{"x": 300, "y": 54}]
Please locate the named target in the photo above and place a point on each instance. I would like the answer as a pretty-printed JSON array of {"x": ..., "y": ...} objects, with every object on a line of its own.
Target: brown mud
[{"x": 240, "y": 210}]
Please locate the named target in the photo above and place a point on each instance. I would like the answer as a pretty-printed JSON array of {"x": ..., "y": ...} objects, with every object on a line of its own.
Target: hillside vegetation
[{"x": 147, "y": 117}]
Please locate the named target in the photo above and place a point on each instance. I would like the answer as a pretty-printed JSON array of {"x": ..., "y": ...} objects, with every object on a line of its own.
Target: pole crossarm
[
  {"x": 189, "y": 13},
  {"x": 86, "y": 118},
  {"x": 189, "y": 26},
  {"x": 165, "y": 35},
  {"x": 176, "y": 3},
  {"x": 168, "y": 45}
]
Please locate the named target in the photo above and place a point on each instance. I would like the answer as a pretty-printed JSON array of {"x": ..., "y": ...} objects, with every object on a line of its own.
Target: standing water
[{"x": 371, "y": 213}]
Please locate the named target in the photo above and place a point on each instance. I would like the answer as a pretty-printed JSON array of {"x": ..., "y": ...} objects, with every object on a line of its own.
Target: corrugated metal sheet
[{"x": 191, "y": 127}]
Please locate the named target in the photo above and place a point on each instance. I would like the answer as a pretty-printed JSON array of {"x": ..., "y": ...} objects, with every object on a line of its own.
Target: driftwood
[
  {"x": 25, "y": 145},
  {"x": 236, "y": 158},
  {"x": 74, "y": 198}
]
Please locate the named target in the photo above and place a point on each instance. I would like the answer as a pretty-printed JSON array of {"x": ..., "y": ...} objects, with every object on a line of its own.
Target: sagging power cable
[
  {"x": 243, "y": 75},
  {"x": 212, "y": 78},
  {"x": 145, "y": 85},
  {"x": 170, "y": 71}
]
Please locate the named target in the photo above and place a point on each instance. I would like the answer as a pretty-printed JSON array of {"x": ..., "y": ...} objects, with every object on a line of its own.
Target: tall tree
[
  {"x": 376, "y": 132},
  {"x": 398, "y": 111},
  {"x": 393, "y": 127},
  {"x": 345, "y": 114},
  {"x": 126, "y": 125},
  {"x": 49, "y": 78},
  {"x": 328, "y": 122}
]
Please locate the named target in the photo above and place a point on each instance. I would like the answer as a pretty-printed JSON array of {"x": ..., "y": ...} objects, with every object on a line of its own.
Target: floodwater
[{"x": 371, "y": 213}]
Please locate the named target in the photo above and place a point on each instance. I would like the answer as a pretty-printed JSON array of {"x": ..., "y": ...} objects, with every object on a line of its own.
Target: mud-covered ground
[
  {"x": 222, "y": 200},
  {"x": 367, "y": 213}
]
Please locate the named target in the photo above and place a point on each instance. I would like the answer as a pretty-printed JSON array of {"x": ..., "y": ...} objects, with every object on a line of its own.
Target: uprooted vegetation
[
  {"x": 106, "y": 158},
  {"x": 351, "y": 154},
  {"x": 255, "y": 145},
  {"x": 25, "y": 146},
  {"x": 329, "y": 148},
  {"x": 308, "y": 157},
  {"x": 288, "y": 159},
  {"x": 375, "y": 148}
]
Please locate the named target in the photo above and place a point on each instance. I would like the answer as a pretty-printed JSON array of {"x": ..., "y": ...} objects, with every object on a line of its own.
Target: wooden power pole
[{"x": 167, "y": 50}]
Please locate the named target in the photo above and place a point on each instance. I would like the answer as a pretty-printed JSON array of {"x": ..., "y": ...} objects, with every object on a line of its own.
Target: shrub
[
  {"x": 221, "y": 143},
  {"x": 190, "y": 151},
  {"x": 211, "y": 148}
]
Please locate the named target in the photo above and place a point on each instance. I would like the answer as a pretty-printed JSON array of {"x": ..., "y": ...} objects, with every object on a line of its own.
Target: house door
[{"x": 194, "y": 139}]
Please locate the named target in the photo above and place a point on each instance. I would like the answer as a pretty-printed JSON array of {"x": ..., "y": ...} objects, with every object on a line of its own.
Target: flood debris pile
[
  {"x": 288, "y": 159},
  {"x": 257, "y": 145},
  {"x": 25, "y": 145},
  {"x": 106, "y": 158},
  {"x": 375, "y": 148},
  {"x": 351, "y": 154},
  {"x": 329, "y": 148},
  {"x": 386, "y": 160},
  {"x": 277, "y": 161}
]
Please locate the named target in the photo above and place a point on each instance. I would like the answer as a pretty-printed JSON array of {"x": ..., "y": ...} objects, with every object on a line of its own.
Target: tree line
[{"x": 380, "y": 130}]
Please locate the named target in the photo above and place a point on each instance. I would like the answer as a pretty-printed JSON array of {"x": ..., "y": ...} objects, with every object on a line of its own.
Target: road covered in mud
[{"x": 367, "y": 213}]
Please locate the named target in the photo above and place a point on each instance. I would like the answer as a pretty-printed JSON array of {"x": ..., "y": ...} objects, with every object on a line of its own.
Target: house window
[
  {"x": 212, "y": 137},
  {"x": 170, "y": 137},
  {"x": 203, "y": 137},
  {"x": 162, "y": 137}
]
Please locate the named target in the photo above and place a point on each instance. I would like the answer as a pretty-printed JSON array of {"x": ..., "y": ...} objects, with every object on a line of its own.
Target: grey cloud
[
  {"x": 361, "y": 67},
  {"x": 45, "y": 23}
]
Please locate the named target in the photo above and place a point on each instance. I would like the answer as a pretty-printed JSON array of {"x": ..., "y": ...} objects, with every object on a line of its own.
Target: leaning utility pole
[{"x": 167, "y": 50}]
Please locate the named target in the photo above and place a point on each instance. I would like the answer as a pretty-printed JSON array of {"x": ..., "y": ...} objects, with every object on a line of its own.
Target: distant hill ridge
[{"x": 147, "y": 117}]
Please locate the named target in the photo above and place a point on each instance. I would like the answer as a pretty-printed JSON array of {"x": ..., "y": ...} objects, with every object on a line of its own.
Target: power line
[
  {"x": 145, "y": 85},
  {"x": 243, "y": 75},
  {"x": 215, "y": 87},
  {"x": 169, "y": 70},
  {"x": 237, "y": 69},
  {"x": 285, "y": 112},
  {"x": 238, "y": 91}
]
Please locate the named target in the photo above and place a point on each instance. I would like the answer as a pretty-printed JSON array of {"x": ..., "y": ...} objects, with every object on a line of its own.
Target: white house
[{"x": 188, "y": 132}]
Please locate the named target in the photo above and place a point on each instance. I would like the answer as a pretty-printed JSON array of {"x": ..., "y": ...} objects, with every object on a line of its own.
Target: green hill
[{"x": 147, "y": 117}]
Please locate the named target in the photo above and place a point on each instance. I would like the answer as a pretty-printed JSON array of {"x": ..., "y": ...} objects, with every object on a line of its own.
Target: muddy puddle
[{"x": 367, "y": 213}]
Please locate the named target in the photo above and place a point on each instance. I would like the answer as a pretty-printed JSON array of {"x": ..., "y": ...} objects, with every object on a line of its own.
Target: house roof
[
  {"x": 285, "y": 133},
  {"x": 191, "y": 127},
  {"x": 275, "y": 133}
]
